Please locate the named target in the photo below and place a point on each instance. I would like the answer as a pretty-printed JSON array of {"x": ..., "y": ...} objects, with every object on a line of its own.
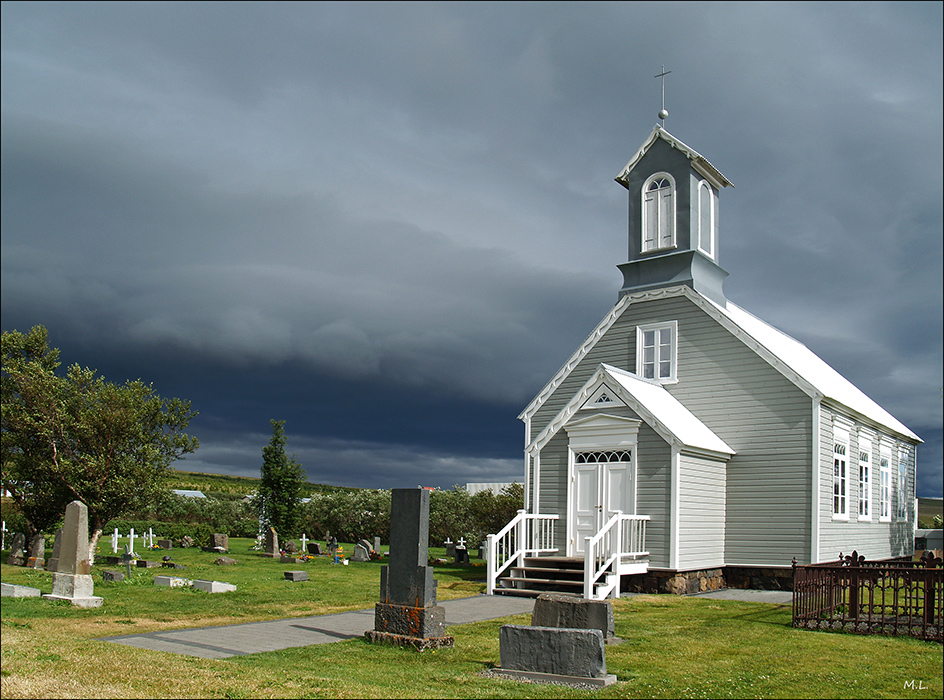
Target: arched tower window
[
  {"x": 706, "y": 219},
  {"x": 658, "y": 212}
]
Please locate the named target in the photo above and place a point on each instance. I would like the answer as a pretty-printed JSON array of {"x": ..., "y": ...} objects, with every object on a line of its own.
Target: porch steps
[{"x": 539, "y": 575}]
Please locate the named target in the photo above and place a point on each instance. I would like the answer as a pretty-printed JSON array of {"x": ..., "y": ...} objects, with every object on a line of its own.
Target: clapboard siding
[
  {"x": 653, "y": 493},
  {"x": 701, "y": 512},
  {"x": 553, "y": 486},
  {"x": 765, "y": 419},
  {"x": 760, "y": 414},
  {"x": 873, "y": 538}
]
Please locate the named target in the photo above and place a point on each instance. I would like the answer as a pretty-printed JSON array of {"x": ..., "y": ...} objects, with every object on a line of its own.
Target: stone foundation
[
  {"x": 402, "y": 640},
  {"x": 759, "y": 578},
  {"x": 705, "y": 580},
  {"x": 675, "y": 582}
]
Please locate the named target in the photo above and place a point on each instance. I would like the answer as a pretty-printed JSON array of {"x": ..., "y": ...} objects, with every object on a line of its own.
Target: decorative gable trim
[
  {"x": 699, "y": 162},
  {"x": 587, "y": 345},
  {"x": 604, "y": 397},
  {"x": 562, "y": 419}
]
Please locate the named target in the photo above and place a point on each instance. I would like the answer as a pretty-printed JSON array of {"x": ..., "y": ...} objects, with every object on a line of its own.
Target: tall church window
[
  {"x": 658, "y": 212},
  {"x": 840, "y": 476},
  {"x": 885, "y": 485},
  {"x": 706, "y": 219},
  {"x": 865, "y": 479},
  {"x": 902, "y": 510},
  {"x": 656, "y": 351}
]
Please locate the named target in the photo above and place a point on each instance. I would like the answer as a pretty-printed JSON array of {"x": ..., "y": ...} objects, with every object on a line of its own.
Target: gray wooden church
[{"x": 688, "y": 445}]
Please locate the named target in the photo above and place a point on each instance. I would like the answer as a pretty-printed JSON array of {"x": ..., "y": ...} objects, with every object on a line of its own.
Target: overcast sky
[{"x": 390, "y": 224}]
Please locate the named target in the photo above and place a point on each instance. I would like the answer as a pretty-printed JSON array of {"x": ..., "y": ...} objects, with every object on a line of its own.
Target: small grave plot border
[{"x": 890, "y": 597}]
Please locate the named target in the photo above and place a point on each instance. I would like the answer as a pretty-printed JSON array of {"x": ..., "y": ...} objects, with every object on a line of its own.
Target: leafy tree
[
  {"x": 280, "y": 491},
  {"x": 79, "y": 437}
]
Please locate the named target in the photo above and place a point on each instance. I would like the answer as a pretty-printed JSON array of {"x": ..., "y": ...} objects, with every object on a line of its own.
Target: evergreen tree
[{"x": 279, "y": 496}]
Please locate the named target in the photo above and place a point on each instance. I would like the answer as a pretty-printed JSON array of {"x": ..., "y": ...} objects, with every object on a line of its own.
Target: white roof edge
[
  {"x": 806, "y": 369},
  {"x": 701, "y": 164},
  {"x": 849, "y": 396},
  {"x": 587, "y": 345},
  {"x": 660, "y": 410}
]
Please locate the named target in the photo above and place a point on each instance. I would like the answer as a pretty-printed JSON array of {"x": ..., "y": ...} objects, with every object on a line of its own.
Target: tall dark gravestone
[{"x": 407, "y": 614}]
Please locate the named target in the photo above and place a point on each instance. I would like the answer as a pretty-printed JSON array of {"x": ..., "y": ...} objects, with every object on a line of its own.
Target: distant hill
[
  {"x": 233, "y": 485},
  {"x": 928, "y": 508}
]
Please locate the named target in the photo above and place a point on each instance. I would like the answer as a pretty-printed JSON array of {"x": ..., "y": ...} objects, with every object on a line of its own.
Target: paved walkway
[{"x": 235, "y": 640}]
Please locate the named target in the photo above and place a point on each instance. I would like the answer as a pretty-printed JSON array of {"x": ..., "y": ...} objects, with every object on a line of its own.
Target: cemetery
[{"x": 63, "y": 628}]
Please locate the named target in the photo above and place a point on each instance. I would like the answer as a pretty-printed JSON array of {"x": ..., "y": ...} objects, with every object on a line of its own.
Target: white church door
[{"x": 603, "y": 485}]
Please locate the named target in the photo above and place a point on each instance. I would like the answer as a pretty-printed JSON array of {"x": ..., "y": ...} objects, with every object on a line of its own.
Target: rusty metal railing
[{"x": 871, "y": 597}]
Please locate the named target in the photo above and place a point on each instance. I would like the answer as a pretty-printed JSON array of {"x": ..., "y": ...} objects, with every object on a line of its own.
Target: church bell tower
[{"x": 673, "y": 218}]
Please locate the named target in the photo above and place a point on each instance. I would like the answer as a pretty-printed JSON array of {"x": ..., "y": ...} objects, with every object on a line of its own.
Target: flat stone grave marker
[
  {"x": 110, "y": 575},
  {"x": 165, "y": 544},
  {"x": 225, "y": 561},
  {"x": 571, "y": 656},
  {"x": 296, "y": 575},
  {"x": 145, "y": 564},
  {"x": 12, "y": 590},
  {"x": 556, "y": 610},
  {"x": 172, "y": 581},
  {"x": 213, "y": 586},
  {"x": 314, "y": 548},
  {"x": 288, "y": 559}
]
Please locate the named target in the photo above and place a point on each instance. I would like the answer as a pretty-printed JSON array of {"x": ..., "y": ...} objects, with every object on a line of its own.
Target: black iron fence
[{"x": 891, "y": 597}]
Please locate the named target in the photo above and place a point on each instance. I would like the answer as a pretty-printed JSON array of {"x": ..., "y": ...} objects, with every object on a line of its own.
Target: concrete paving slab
[
  {"x": 236, "y": 640},
  {"x": 749, "y": 595}
]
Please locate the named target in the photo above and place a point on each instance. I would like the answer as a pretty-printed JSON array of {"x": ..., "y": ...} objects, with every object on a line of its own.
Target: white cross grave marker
[
  {"x": 304, "y": 542},
  {"x": 3, "y": 535},
  {"x": 462, "y": 541},
  {"x": 114, "y": 541},
  {"x": 150, "y": 538},
  {"x": 131, "y": 544}
]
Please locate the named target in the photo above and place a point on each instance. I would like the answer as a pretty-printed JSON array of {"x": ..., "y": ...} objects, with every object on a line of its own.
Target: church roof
[
  {"x": 656, "y": 406},
  {"x": 824, "y": 380},
  {"x": 788, "y": 356},
  {"x": 699, "y": 162}
]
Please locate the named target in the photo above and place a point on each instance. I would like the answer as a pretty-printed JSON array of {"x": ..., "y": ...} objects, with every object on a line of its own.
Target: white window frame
[
  {"x": 840, "y": 494},
  {"x": 901, "y": 510},
  {"x": 660, "y": 349},
  {"x": 709, "y": 235},
  {"x": 885, "y": 484},
  {"x": 665, "y": 224},
  {"x": 865, "y": 478}
]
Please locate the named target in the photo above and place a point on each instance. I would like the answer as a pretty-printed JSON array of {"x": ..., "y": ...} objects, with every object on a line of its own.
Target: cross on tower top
[{"x": 663, "y": 113}]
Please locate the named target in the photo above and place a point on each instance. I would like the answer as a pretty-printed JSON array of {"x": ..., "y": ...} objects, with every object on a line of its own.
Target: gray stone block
[
  {"x": 109, "y": 575},
  {"x": 296, "y": 575},
  {"x": 314, "y": 549},
  {"x": 213, "y": 586},
  {"x": 11, "y": 590},
  {"x": 553, "y": 650},
  {"x": 555, "y": 610},
  {"x": 144, "y": 564},
  {"x": 410, "y": 621},
  {"x": 172, "y": 581}
]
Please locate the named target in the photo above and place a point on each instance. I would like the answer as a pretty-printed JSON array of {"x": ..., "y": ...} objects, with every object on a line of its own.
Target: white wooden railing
[
  {"x": 616, "y": 549},
  {"x": 526, "y": 535}
]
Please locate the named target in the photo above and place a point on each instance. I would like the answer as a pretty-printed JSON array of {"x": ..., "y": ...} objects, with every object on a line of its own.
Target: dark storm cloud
[{"x": 389, "y": 224}]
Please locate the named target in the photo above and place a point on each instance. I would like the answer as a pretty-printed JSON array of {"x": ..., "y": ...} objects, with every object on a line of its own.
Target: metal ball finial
[{"x": 663, "y": 114}]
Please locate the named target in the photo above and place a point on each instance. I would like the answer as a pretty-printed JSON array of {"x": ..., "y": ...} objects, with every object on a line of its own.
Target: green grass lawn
[{"x": 673, "y": 646}]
